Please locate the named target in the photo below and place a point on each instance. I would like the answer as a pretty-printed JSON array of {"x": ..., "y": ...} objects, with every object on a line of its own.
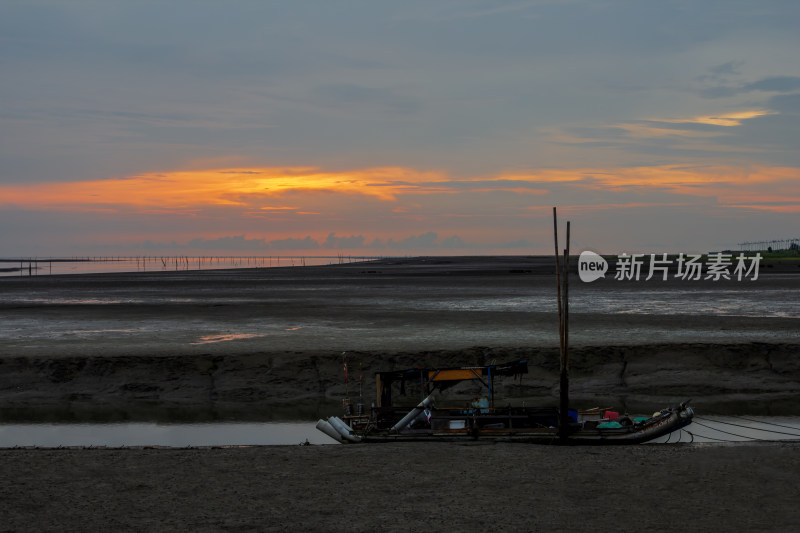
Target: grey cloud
[
  {"x": 350, "y": 94},
  {"x": 680, "y": 126},
  {"x": 786, "y": 103},
  {"x": 237, "y": 242},
  {"x": 777, "y": 84},
  {"x": 465, "y": 185},
  {"x": 522, "y": 243},
  {"x": 719, "y": 91},
  {"x": 719, "y": 75},
  {"x": 726, "y": 69},
  {"x": 590, "y": 132},
  {"x": 344, "y": 243},
  {"x": 150, "y": 245},
  {"x": 426, "y": 240},
  {"x": 377, "y": 244},
  {"x": 488, "y": 184},
  {"x": 294, "y": 244},
  {"x": 454, "y": 242},
  {"x": 429, "y": 241},
  {"x": 769, "y": 138},
  {"x": 776, "y": 135},
  {"x": 233, "y": 243}
]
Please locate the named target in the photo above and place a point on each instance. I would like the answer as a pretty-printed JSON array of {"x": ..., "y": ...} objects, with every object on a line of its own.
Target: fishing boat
[{"x": 484, "y": 418}]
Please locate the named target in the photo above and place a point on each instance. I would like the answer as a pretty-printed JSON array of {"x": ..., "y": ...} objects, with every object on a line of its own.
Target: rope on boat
[
  {"x": 753, "y": 428},
  {"x": 704, "y": 437},
  {"x": 680, "y": 437},
  {"x": 765, "y": 423},
  {"x": 726, "y": 432}
]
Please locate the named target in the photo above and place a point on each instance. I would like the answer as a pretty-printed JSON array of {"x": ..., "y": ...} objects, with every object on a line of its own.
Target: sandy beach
[
  {"x": 267, "y": 344},
  {"x": 412, "y": 487}
]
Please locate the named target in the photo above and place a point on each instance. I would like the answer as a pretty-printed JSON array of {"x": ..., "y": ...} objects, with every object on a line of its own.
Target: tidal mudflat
[{"x": 258, "y": 344}]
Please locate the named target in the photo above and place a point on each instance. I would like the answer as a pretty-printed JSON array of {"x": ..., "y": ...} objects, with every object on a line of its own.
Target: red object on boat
[{"x": 611, "y": 415}]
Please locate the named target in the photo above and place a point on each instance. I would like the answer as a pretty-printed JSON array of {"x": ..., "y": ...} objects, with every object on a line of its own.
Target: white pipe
[
  {"x": 328, "y": 430},
  {"x": 414, "y": 413},
  {"x": 344, "y": 430}
]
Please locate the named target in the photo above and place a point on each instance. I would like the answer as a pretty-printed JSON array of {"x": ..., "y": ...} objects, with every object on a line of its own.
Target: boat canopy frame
[{"x": 442, "y": 378}]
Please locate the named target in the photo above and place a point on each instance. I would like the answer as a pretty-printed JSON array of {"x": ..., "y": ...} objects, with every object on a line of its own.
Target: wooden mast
[
  {"x": 563, "y": 332},
  {"x": 558, "y": 284}
]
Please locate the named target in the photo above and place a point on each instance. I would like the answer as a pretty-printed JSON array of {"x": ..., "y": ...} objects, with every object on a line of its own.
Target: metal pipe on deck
[
  {"x": 328, "y": 429},
  {"x": 343, "y": 429},
  {"x": 414, "y": 413}
]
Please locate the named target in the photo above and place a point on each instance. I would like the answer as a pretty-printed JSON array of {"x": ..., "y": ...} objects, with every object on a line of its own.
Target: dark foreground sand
[{"x": 404, "y": 487}]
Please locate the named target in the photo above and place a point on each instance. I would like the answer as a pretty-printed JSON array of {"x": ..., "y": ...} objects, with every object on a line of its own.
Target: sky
[{"x": 429, "y": 127}]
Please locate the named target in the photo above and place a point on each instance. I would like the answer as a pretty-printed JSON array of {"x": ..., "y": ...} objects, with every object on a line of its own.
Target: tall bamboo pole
[
  {"x": 558, "y": 283},
  {"x": 565, "y": 305},
  {"x": 563, "y": 331},
  {"x": 563, "y": 409}
]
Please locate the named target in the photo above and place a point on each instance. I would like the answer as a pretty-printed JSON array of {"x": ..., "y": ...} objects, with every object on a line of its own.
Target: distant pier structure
[{"x": 770, "y": 246}]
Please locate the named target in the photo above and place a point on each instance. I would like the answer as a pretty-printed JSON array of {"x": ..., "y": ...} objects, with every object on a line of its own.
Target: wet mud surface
[
  {"x": 267, "y": 343},
  {"x": 388, "y": 306}
]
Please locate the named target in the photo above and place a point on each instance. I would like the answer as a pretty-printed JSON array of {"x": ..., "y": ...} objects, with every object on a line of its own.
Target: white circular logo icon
[{"x": 591, "y": 266}]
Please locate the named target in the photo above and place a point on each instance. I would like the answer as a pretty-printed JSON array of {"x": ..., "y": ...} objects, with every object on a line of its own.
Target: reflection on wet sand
[{"x": 207, "y": 339}]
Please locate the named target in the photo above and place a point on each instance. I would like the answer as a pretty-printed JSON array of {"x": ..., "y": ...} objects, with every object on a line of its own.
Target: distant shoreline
[{"x": 772, "y": 263}]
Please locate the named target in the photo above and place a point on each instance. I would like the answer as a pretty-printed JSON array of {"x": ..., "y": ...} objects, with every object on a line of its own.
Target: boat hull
[{"x": 664, "y": 423}]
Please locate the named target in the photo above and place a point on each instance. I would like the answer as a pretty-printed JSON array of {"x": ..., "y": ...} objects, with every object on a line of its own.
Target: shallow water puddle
[
  {"x": 154, "y": 434},
  {"x": 715, "y": 429}
]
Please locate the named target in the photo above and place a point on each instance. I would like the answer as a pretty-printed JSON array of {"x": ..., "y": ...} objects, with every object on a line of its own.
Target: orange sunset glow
[
  {"x": 188, "y": 190},
  {"x": 266, "y": 188}
]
